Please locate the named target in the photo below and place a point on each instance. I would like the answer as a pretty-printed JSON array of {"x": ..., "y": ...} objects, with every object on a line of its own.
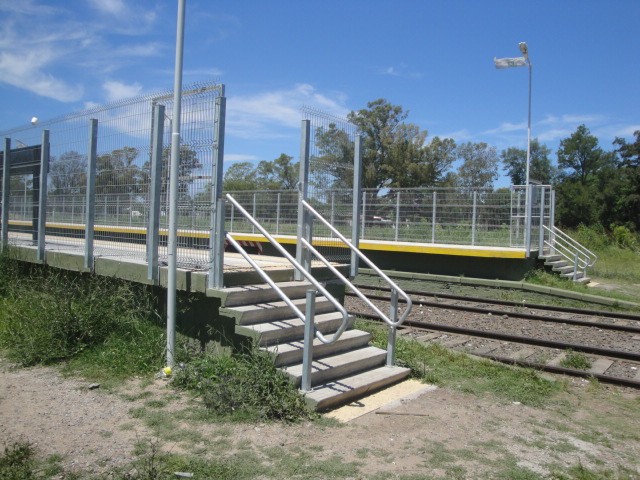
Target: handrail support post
[
  {"x": 309, "y": 334},
  {"x": 391, "y": 342}
]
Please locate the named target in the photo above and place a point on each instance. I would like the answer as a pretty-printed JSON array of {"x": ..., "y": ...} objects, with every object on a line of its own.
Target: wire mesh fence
[
  {"x": 121, "y": 205},
  {"x": 331, "y": 169},
  {"x": 417, "y": 215}
]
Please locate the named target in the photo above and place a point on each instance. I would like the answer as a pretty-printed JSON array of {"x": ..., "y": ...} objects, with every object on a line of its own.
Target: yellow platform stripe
[{"x": 381, "y": 246}]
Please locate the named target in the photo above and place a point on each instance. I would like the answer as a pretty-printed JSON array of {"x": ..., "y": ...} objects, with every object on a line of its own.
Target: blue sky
[{"x": 434, "y": 58}]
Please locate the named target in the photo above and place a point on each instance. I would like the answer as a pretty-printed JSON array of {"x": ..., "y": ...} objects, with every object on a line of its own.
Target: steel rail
[
  {"x": 526, "y": 316},
  {"x": 512, "y": 303},
  {"x": 601, "y": 377},
  {"x": 617, "y": 354}
]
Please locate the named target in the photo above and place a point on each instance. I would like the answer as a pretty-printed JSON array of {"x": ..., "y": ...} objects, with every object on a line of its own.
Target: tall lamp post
[{"x": 523, "y": 61}]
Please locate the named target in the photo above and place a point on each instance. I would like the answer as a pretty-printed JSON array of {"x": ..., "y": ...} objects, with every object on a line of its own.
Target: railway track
[{"x": 536, "y": 336}]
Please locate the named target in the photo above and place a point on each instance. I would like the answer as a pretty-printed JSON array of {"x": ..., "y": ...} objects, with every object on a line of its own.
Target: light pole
[
  {"x": 524, "y": 61},
  {"x": 525, "y": 53}
]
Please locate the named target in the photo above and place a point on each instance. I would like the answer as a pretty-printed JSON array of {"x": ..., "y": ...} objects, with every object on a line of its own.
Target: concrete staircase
[
  {"x": 557, "y": 264},
  {"x": 341, "y": 372}
]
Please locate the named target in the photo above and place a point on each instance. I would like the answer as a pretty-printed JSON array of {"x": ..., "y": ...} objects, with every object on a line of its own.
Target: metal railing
[
  {"x": 396, "y": 291},
  {"x": 579, "y": 256},
  {"x": 393, "y": 320}
]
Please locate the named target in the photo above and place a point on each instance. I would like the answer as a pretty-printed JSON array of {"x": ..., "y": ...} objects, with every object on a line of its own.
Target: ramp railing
[{"x": 571, "y": 250}]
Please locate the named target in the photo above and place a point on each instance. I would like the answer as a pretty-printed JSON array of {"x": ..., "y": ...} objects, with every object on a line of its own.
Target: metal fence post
[
  {"x": 541, "y": 232},
  {"x": 433, "y": 217},
  {"x": 528, "y": 226},
  {"x": 6, "y": 188},
  {"x": 90, "y": 211},
  {"x": 254, "y": 212},
  {"x": 277, "y": 214},
  {"x": 397, "y": 215},
  {"x": 217, "y": 234},
  {"x": 153, "y": 234},
  {"x": 552, "y": 219},
  {"x": 364, "y": 214},
  {"x": 42, "y": 201},
  {"x": 302, "y": 256},
  {"x": 391, "y": 342},
  {"x": 356, "y": 198},
  {"x": 333, "y": 212},
  {"x": 474, "y": 217},
  {"x": 309, "y": 334}
]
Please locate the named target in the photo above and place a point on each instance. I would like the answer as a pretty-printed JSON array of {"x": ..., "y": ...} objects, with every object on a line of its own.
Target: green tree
[
  {"x": 479, "y": 167},
  {"x": 580, "y": 154},
  {"x": 240, "y": 176},
  {"x": 390, "y": 145},
  {"x": 116, "y": 173},
  {"x": 629, "y": 174},
  {"x": 278, "y": 174},
  {"x": 333, "y": 166},
  {"x": 68, "y": 173},
  {"x": 514, "y": 161}
]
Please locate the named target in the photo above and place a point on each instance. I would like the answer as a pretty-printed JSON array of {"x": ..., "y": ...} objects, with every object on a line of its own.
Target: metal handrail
[
  {"x": 371, "y": 265},
  {"x": 339, "y": 307},
  {"x": 590, "y": 257},
  {"x": 567, "y": 247}
]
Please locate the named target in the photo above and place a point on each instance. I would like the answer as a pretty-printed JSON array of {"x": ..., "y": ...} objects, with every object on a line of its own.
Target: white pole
[
  {"x": 528, "y": 198},
  {"x": 172, "y": 247}
]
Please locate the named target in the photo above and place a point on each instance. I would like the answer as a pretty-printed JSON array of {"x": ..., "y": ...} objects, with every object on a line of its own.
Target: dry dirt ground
[{"x": 441, "y": 434}]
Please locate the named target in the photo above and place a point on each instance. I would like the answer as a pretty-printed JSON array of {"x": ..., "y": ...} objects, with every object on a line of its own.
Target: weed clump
[
  {"x": 48, "y": 315},
  {"x": 576, "y": 360},
  {"x": 243, "y": 386},
  {"x": 16, "y": 463}
]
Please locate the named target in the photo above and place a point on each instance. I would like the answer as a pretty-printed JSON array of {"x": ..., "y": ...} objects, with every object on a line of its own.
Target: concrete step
[
  {"x": 291, "y": 352},
  {"x": 289, "y": 329},
  {"x": 563, "y": 269},
  {"x": 262, "y": 293},
  {"x": 556, "y": 264},
  {"x": 550, "y": 258},
  {"x": 583, "y": 280},
  {"x": 348, "y": 388},
  {"x": 579, "y": 275},
  {"x": 337, "y": 366},
  {"x": 272, "y": 311}
]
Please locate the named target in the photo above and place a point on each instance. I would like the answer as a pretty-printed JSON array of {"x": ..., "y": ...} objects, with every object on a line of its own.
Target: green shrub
[
  {"x": 242, "y": 386},
  {"x": 47, "y": 315},
  {"x": 16, "y": 463},
  {"x": 624, "y": 238}
]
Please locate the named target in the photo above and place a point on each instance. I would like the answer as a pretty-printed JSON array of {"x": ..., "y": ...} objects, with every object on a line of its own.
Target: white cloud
[
  {"x": 265, "y": 114},
  {"x": 113, "y": 7},
  {"x": 26, "y": 69},
  {"x": 240, "y": 157},
  {"x": 115, "y": 90}
]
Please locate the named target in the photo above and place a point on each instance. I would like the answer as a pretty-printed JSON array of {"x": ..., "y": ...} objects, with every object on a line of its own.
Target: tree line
[{"x": 593, "y": 185}]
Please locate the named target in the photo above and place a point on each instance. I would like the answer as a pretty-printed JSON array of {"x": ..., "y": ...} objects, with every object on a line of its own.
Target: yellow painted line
[
  {"x": 389, "y": 397},
  {"x": 372, "y": 245}
]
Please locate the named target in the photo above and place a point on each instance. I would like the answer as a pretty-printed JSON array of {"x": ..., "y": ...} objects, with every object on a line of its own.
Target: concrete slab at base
[{"x": 387, "y": 398}]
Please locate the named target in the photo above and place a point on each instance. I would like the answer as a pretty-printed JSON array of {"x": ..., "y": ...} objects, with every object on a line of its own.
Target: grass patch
[
  {"x": 18, "y": 461},
  {"x": 580, "y": 472},
  {"x": 435, "y": 364},
  {"x": 576, "y": 360},
  {"x": 244, "y": 386},
  {"x": 104, "y": 327}
]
